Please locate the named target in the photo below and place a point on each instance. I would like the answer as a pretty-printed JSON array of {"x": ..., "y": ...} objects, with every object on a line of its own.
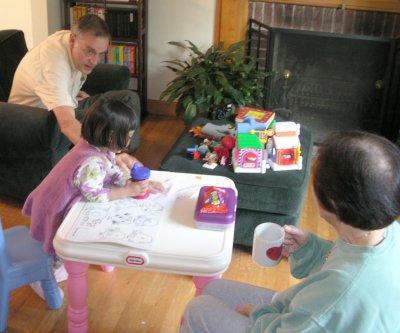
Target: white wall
[
  {"x": 36, "y": 18},
  {"x": 168, "y": 20},
  {"x": 175, "y": 20}
]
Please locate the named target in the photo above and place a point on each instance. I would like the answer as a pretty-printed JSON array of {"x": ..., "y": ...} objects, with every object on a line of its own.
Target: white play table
[{"x": 180, "y": 247}]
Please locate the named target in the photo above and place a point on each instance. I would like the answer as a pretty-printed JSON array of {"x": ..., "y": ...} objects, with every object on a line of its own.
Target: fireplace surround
[{"x": 328, "y": 80}]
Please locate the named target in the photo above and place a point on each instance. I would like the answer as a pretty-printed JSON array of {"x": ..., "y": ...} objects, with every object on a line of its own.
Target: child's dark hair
[
  {"x": 357, "y": 177},
  {"x": 107, "y": 123}
]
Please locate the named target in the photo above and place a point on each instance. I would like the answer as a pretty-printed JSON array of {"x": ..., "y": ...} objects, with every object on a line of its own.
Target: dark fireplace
[{"x": 330, "y": 81}]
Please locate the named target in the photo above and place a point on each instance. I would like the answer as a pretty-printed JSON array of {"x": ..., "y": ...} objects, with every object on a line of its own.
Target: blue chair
[{"x": 23, "y": 261}]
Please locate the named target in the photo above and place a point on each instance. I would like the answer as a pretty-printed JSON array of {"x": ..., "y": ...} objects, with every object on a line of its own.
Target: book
[
  {"x": 129, "y": 222},
  {"x": 261, "y": 116}
]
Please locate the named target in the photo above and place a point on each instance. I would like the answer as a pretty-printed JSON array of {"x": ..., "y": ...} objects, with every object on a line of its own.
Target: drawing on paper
[{"x": 129, "y": 222}]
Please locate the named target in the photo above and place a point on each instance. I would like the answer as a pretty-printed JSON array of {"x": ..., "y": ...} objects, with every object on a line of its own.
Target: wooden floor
[{"x": 137, "y": 301}]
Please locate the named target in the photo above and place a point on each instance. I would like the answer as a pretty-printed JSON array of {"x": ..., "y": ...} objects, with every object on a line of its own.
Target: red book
[{"x": 261, "y": 116}]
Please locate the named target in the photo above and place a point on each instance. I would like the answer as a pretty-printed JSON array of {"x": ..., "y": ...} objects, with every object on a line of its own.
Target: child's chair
[{"x": 23, "y": 261}]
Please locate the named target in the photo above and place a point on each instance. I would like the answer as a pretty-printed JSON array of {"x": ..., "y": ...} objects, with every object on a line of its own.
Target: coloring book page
[
  {"x": 132, "y": 222},
  {"x": 129, "y": 222}
]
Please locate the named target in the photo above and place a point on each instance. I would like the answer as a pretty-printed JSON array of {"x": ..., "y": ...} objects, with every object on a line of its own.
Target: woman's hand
[
  {"x": 294, "y": 239},
  {"x": 245, "y": 309}
]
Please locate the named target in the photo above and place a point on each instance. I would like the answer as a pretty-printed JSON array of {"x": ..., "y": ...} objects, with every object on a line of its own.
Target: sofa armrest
[
  {"x": 27, "y": 130},
  {"x": 106, "y": 77}
]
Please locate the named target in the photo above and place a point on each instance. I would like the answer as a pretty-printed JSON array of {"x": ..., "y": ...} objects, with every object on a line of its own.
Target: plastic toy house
[
  {"x": 248, "y": 154},
  {"x": 284, "y": 150}
]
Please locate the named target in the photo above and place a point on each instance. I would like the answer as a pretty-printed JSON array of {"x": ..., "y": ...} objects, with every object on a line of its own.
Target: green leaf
[
  {"x": 217, "y": 76},
  {"x": 190, "y": 113},
  {"x": 179, "y": 44},
  {"x": 194, "y": 48}
]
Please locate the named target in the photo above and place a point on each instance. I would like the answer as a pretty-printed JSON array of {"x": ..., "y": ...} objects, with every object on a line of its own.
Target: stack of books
[{"x": 122, "y": 22}]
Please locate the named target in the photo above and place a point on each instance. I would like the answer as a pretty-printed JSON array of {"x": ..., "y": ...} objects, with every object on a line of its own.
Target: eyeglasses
[
  {"x": 92, "y": 53},
  {"x": 89, "y": 51}
]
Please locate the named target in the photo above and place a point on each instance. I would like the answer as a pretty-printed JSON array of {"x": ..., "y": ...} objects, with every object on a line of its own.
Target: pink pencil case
[{"x": 215, "y": 208}]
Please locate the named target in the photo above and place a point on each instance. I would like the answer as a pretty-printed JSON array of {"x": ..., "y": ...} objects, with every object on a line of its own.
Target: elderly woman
[{"x": 351, "y": 285}]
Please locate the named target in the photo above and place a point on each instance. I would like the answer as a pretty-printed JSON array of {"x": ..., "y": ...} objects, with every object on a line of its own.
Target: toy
[
  {"x": 139, "y": 173},
  {"x": 211, "y": 159},
  {"x": 228, "y": 142},
  {"x": 249, "y": 123},
  {"x": 284, "y": 147},
  {"x": 193, "y": 152},
  {"x": 215, "y": 208},
  {"x": 196, "y": 131},
  {"x": 197, "y": 150},
  {"x": 217, "y": 132},
  {"x": 264, "y": 117},
  {"x": 247, "y": 156}
]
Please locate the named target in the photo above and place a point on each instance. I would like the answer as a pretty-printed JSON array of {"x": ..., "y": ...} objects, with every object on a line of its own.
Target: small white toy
[{"x": 283, "y": 149}]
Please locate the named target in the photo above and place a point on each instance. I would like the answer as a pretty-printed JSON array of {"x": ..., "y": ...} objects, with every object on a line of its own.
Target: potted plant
[{"x": 213, "y": 83}]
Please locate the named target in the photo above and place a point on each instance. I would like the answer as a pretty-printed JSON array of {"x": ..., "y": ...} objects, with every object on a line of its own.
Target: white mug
[{"x": 267, "y": 244}]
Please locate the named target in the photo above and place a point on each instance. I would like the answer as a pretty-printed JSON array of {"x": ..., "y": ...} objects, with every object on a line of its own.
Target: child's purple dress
[{"x": 49, "y": 203}]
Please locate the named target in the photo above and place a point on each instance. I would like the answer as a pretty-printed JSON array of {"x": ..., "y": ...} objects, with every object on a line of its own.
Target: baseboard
[{"x": 161, "y": 107}]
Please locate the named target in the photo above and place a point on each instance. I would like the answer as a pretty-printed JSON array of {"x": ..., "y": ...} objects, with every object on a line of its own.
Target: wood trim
[
  {"x": 384, "y": 6},
  {"x": 370, "y": 5},
  {"x": 231, "y": 17},
  {"x": 161, "y": 107}
]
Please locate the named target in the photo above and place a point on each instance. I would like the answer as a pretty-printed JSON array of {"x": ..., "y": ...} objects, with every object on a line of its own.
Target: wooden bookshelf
[{"x": 127, "y": 21}]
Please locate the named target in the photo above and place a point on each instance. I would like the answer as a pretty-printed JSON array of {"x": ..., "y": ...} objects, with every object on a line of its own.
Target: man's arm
[
  {"x": 71, "y": 128},
  {"x": 69, "y": 125}
]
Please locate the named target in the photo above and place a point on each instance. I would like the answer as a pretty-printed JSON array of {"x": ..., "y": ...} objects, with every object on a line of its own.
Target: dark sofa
[{"x": 30, "y": 139}]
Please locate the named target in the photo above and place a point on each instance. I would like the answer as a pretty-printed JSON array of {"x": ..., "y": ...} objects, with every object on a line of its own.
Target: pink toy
[
  {"x": 139, "y": 173},
  {"x": 248, "y": 154}
]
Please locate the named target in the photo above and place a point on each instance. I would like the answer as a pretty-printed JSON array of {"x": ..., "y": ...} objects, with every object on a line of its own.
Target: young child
[{"x": 88, "y": 171}]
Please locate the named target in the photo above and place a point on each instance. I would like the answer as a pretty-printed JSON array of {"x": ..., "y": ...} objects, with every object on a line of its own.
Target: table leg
[
  {"x": 106, "y": 268},
  {"x": 201, "y": 281},
  {"x": 77, "y": 288}
]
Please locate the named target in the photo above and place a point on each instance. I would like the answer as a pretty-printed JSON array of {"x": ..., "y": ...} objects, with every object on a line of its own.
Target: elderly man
[{"x": 51, "y": 76}]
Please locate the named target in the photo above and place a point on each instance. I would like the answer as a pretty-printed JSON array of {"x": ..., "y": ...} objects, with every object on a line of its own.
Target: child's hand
[
  {"x": 156, "y": 187},
  {"x": 137, "y": 188},
  {"x": 294, "y": 239}
]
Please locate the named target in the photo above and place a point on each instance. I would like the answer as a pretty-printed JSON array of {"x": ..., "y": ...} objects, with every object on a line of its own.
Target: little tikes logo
[{"x": 134, "y": 260}]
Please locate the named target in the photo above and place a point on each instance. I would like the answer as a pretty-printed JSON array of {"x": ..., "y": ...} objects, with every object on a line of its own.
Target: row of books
[
  {"x": 122, "y": 22},
  {"x": 77, "y": 11},
  {"x": 122, "y": 55}
]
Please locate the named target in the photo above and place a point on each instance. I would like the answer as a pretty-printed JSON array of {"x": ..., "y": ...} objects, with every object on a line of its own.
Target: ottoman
[{"x": 276, "y": 196}]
